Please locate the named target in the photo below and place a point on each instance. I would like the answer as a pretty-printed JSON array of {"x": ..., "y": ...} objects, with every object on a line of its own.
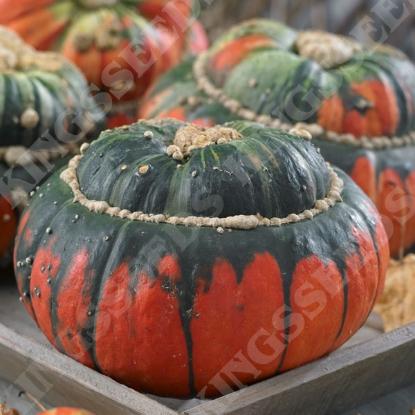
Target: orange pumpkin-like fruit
[
  {"x": 236, "y": 251},
  {"x": 66, "y": 411}
]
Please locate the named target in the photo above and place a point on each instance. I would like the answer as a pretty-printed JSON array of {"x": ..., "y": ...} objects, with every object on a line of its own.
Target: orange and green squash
[
  {"x": 166, "y": 253},
  {"x": 44, "y": 99},
  {"x": 362, "y": 99},
  {"x": 46, "y": 111},
  {"x": 55, "y": 411},
  {"x": 65, "y": 411},
  {"x": 120, "y": 45}
]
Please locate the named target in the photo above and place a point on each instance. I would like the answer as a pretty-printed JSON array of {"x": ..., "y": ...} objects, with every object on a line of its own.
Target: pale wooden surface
[
  {"x": 14, "y": 314},
  {"x": 401, "y": 402},
  {"x": 10, "y": 394}
]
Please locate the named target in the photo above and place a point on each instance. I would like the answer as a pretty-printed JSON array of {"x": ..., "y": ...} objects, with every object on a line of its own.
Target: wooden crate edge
[{"x": 42, "y": 370}]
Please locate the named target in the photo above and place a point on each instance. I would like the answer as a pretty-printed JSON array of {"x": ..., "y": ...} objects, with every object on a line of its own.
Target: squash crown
[
  {"x": 15, "y": 54},
  {"x": 173, "y": 169}
]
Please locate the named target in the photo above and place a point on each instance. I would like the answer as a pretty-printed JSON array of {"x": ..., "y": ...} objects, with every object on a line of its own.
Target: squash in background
[
  {"x": 43, "y": 95},
  {"x": 46, "y": 112},
  {"x": 65, "y": 411},
  {"x": 175, "y": 95},
  {"x": 120, "y": 45},
  {"x": 359, "y": 104},
  {"x": 55, "y": 411}
]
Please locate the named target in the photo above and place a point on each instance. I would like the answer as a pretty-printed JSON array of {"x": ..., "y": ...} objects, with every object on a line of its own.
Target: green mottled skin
[{"x": 50, "y": 94}]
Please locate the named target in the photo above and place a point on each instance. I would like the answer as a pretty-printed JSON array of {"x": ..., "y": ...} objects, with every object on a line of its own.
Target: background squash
[
  {"x": 237, "y": 244},
  {"x": 65, "y": 411},
  {"x": 175, "y": 95},
  {"x": 112, "y": 41},
  {"x": 46, "y": 112},
  {"x": 353, "y": 99},
  {"x": 55, "y": 411},
  {"x": 41, "y": 95}
]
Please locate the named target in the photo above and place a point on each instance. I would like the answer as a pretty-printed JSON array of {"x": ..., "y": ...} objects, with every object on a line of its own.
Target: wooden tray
[{"x": 349, "y": 377}]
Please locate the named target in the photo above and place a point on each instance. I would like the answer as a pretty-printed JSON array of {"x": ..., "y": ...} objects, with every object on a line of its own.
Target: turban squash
[
  {"x": 44, "y": 107},
  {"x": 358, "y": 103},
  {"x": 42, "y": 95},
  {"x": 111, "y": 41},
  {"x": 167, "y": 252}
]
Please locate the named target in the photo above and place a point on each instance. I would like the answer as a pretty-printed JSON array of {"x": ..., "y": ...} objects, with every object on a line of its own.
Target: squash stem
[{"x": 32, "y": 398}]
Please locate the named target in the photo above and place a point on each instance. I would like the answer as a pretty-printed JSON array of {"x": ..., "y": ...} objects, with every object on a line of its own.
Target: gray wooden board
[
  {"x": 9, "y": 393},
  {"x": 13, "y": 314},
  {"x": 59, "y": 380},
  {"x": 401, "y": 402},
  {"x": 331, "y": 385}
]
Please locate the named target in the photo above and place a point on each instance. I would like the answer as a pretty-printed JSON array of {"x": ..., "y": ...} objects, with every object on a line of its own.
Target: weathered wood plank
[
  {"x": 401, "y": 402},
  {"x": 331, "y": 385},
  {"x": 59, "y": 380},
  {"x": 10, "y": 394},
  {"x": 13, "y": 313}
]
